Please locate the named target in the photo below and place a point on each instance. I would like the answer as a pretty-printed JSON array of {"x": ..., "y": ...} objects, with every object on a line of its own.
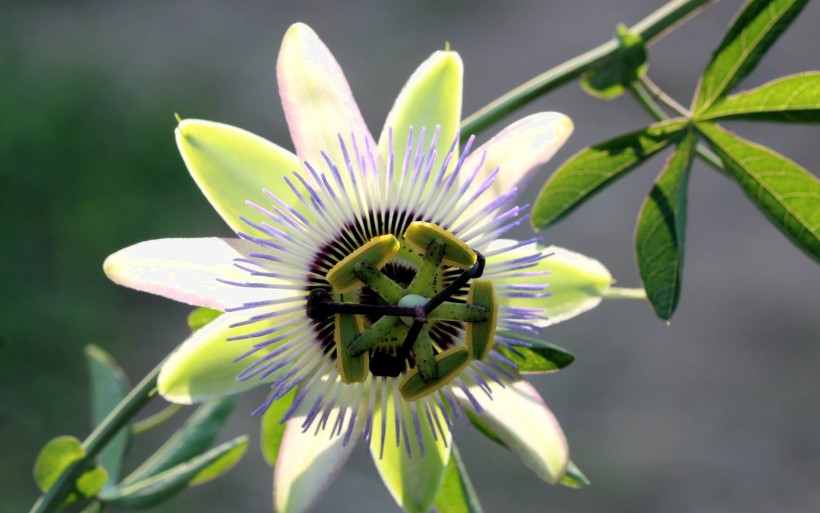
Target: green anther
[
  {"x": 373, "y": 335},
  {"x": 480, "y": 336},
  {"x": 352, "y": 369},
  {"x": 425, "y": 357},
  {"x": 449, "y": 311},
  {"x": 377, "y": 252},
  {"x": 456, "y": 254},
  {"x": 388, "y": 289},
  {"x": 450, "y": 363},
  {"x": 425, "y": 277}
]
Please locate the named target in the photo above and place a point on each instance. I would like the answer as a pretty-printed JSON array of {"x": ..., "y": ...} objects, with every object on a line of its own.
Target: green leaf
[
  {"x": 574, "y": 478},
  {"x": 457, "y": 494},
  {"x": 193, "y": 438},
  {"x": 93, "y": 507},
  {"x": 792, "y": 99},
  {"x": 109, "y": 385},
  {"x": 786, "y": 193},
  {"x": 541, "y": 356},
  {"x": 272, "y": 429},
  {"x": 623, "y": 67},
  {"x": 596, "y": 167},
  {"x": 201, "y": 316},
  {"x": 659, "y": 235},
  {"x": 92, "y": 481},
  {"x": 221, "y": 465},
  {"x": 161, "y": 486},
  {"x": 755, "y": 30},
  {"x": 56, "y": 456}
]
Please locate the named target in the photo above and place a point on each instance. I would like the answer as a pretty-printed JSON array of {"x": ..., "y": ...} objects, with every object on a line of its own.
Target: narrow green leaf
[
  {"x": 457, "y": 494},
  {"x": 93, "y": 507},
  {"x": 540, "y": 356},
  {"x": 659, "y": 234},
  {"x": 791, "y": 99},
  {"x": 786, "y": 193},
  {"x": 109, "y": 385},
  {"x": 622, "y": 68},
  {"x": 193, "y": 438},
  {"x": 574, "y": 478},
  {"x": 54, "y": 458},
  {"x": 201, "y": 316},
  {"x": 272, "y": 429},
  {"x": 593, "y": 168},
  {"x": 159, "y": 487},
  {"x": 221, "y": 465},
  {"x": 751, "y": 35}
]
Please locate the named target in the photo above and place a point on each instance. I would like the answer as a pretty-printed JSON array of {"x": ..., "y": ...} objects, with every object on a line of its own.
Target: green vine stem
[
  {"x": 647, "y": 98},
  {"x": 96, "y": 441},
  {"x": 650, "y": 29}
]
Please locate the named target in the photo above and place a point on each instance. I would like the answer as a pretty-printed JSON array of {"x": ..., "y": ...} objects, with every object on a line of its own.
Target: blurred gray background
[{"x": 718, "y": 411}]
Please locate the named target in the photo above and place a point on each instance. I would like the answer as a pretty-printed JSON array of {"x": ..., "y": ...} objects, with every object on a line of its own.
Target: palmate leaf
[
  {"x": 785, "y": 192},
  {"x": 593, "y": 168},
  {"x": 457, "y": 494},
  {"x": 659, "y": 234},
  {"x": 793, "y": 99},
  {"x": 751, "y": 35}
]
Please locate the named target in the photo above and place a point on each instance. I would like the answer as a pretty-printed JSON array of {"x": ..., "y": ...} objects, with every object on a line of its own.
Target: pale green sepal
[
  {"x": 203, "y": 366},
  {"x": 432, "y": 96},
  {"x": 309, "y": 461},
  {"x": 273, "y": 429},
  {"x": 232, "y": 166},
  {"x": 576, "y": 283},
  {"x": 413, "y": 481},
  {"x": 521, "y": 420},
  {"x": 457, "y": 494}
]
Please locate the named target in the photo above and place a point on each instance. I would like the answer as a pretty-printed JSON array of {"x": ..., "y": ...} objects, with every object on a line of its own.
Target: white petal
[
  {"x": 519, "y": 417},
  {"x": 308, "y": 463},
  {"x": 188, "y": 270}
]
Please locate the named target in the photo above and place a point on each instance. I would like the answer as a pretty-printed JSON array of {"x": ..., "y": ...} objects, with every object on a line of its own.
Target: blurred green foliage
[{"x": 86, "y": 168}]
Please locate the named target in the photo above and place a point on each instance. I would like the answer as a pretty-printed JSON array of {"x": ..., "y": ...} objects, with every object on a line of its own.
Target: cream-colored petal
[
  {"x": 431, "y": 97},
  {"x": 188, "y": 270},
  {"x": 519, "y": 417},
  {"x": 413, "y": 481},
  {"x": 203, "y": 366},
  {"x": 518, "y": 150},
  {"x": 575, "y": 282},
  {"x": 232, "y": 166},
  {"x": 307, "y": 463},
  {"x": 316, "y": 98}
]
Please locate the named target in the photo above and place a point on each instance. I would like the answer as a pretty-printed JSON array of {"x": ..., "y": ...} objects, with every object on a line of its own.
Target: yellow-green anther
[
  {"x": 352, "y": 369},
  {"x": 449, "y": 311},
  {"x": 388, "y": 289},
  {"x": 425, "y": 357},
  {"x": 456, "y": 253},
  {"x": 481, "y": 335},
  {"x": 450, "y": 363},
  {"x": 377, "y": 252},
  {"x": 423, "y": 280},
  {"x": 371, "y": 337}
]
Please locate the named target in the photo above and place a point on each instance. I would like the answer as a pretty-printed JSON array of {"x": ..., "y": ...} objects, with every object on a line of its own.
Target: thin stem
[
  {"x": 157, "y": 419},
  {"x": 650, "y": 29},
  {"x": 102, "y": 434},
  {"x": 624, "y": 293},
  {"x": 647, "y": 99},
  {"x": 659, "y": 95}
]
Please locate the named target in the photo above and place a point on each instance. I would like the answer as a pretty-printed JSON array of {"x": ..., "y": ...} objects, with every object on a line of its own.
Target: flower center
[{"x": 392, "y": 335}]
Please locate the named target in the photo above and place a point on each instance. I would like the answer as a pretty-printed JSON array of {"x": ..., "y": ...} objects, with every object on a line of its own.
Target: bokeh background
[{"x": 719, "y": 411}]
